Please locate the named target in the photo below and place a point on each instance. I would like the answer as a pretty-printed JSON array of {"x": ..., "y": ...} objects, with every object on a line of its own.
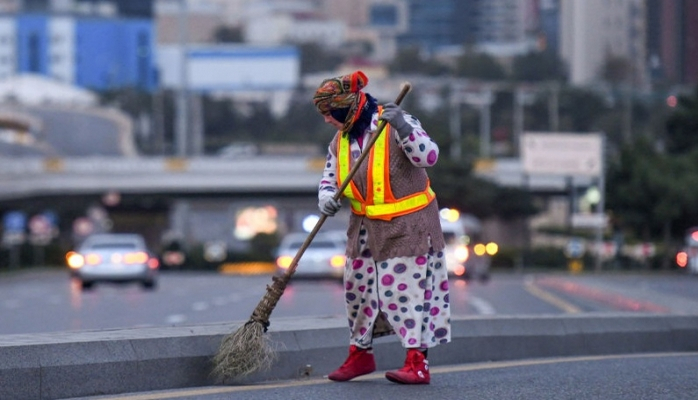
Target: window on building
[
  {"x": 143, "y": 59},
  {"x": 384, "y": 15},
  {"x": 34, "y": 53}
]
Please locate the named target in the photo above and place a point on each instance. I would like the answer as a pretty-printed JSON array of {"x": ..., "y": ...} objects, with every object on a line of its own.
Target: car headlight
[
  {"x": 338, "y": 261},
  {"x": 74, "y": 260},
  {"x": 284, "y": 261},
  {"x": 461, "y": 253}
]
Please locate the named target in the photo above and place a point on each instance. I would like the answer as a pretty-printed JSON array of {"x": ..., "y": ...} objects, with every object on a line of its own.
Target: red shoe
[
  {"x": 360, "y": 362},
  {"x": 415, "y": 371}
]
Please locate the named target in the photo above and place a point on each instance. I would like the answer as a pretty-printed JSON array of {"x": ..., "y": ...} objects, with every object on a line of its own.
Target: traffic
[{"x": 54, "y": 301}]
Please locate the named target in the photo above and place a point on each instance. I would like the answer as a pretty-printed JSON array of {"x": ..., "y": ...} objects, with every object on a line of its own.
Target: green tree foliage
[
  {"x": 616, "y": 70},
  {"x": 580, "y": 110},
  {"x": 538, "y": 67},
  {"x": 682, "y": 125},
  {"x": 651, "y": 191},
  {"x": 315, "y": 58},
  {"x": 457, "y": 187},
  {"x": 410, "y": 61},
  {"x": 479, "y": 66}
]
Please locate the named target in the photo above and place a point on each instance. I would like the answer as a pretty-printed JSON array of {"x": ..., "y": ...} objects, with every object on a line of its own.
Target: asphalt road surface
[
  {"x": 623, "y": 377},
  {"x": 49, "y": 301}
]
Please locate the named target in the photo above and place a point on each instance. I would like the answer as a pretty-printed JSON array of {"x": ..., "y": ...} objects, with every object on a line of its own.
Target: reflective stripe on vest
[{"x": 380, "y": 202}]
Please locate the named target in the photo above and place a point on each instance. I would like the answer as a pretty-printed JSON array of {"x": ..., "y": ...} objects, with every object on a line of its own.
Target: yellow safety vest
[{"x": 379, "y": 202}]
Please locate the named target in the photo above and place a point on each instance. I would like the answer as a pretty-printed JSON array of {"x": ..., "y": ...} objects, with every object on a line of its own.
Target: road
[
  {"x": 49, "y": 301},
  {"x": 615, "y": 377}
]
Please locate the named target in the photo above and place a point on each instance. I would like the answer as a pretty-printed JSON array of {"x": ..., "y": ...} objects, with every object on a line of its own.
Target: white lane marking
[
  {"x": 175, "y": 318},
  {"x": 200, "y": 306},
  {"x": 481, "y": 306},
  {"x": 219, "y": 301}
]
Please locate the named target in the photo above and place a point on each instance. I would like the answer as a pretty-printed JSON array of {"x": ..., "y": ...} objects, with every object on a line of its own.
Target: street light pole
[
  {"x": 182, "y": 94},
  {"x": 455, "y": 123}
]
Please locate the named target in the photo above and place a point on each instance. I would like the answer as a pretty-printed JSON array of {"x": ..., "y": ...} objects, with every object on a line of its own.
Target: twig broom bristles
[{"x": 248, "y": 349}]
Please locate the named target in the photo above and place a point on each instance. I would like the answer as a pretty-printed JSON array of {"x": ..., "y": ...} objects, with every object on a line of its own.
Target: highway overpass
[
  {"x": 24, "y": 177},
  {"x": 29, "y": 177}
]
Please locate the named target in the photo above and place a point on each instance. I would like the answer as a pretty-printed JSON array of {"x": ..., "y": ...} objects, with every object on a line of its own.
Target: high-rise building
[
  {"x": 672, "y": 41},
  {"x": 98, "y": 52},
  {"x": 434, "y": 24},
  {"x": 592, "y": 31},
  {"x": 124, "y": 8},
  {"x": 502, "y": 27},
  {"x": 549, "y": 23}
]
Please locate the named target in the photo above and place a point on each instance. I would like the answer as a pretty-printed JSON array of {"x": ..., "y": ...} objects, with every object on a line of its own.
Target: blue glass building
[{"x": 94, "y": 52}]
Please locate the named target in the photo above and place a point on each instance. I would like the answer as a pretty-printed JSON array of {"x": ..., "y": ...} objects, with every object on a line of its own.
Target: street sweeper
[{"x": 395, "y": 278}]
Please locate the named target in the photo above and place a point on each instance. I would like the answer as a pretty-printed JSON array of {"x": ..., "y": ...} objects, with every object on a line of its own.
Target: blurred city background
[{"x": 567, "y": 128}]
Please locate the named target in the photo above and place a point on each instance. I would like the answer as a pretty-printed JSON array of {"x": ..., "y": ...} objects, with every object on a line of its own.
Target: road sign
[
  {"x": 569, "y": 154},
  {"x": 589, "y": 220},
  {"x": 574, "y": 248},
  {"x": 14, "y": 221}
]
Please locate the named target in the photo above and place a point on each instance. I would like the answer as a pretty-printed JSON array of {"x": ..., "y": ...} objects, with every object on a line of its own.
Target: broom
[{"x": 248, "y": 349}]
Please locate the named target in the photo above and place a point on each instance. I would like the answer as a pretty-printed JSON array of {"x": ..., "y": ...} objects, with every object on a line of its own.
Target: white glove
[
  {"x": 394, "y": 115},
  {"x": 329, "y": 206}
]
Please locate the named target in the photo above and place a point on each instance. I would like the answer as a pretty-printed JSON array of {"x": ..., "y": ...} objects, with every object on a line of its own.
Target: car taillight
[
  {"x": 153, "y": 263},
  {"x": 284, "y": 261},
  {"x": 74, "y": 260},
  {"x": 338, "y": 261},
  {"x": 459, "y": 270},
  {"x": 682, "y": 259}
]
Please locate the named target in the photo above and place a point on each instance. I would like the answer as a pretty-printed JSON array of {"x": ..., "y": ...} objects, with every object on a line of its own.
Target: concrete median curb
[{"x": 90, "y": 363}]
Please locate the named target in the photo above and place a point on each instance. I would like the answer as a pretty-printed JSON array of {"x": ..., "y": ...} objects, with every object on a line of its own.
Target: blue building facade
[
  {"x": 434, "y": 24},
  {"x": 97, "y": 53}
]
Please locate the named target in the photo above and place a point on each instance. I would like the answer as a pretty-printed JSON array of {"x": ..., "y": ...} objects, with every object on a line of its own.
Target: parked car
[
  {"x": 115, "y": 257},
  {"x": 324, "y": 257}
]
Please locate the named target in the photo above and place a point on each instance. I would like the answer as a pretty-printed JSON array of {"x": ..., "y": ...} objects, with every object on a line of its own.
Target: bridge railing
[{"x": 36, "y": 176}]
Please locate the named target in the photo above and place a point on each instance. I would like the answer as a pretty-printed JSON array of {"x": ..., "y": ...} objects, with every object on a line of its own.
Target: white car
[
  {"x": 324, "y": 257},
  {"x": 116, "y": 257},
  {"x": 466, "y": 258}
]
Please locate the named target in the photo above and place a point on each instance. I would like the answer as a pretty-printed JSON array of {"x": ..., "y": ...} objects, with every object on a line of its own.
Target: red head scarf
[{"x": 342, "y": 92}]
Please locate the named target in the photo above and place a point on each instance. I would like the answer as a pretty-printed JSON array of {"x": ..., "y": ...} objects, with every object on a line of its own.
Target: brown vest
[{"x": 403, "y": 236}]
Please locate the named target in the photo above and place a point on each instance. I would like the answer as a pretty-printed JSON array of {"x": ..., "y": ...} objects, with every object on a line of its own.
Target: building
[
  {"x": 498, "y": 27},
  {"x": 594, "y": 30},
  {"x": 92, "y": 48},
  {"x": 549, "y": 18},
  {"x": 672, "y": 41}
]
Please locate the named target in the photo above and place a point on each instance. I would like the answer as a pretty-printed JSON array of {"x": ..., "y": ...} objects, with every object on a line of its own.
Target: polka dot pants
[{"x": 411, "y": 292}]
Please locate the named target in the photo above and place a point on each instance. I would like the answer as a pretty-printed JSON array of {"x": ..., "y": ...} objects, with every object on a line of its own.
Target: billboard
[
  {"x": 231, "y": 68},
  {"x": 569, "y": 154}
]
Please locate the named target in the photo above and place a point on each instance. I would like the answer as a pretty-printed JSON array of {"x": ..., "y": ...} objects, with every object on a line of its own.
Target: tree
[
  {"x": 538, "y": 67},
  {"x": 315, "y": 58},
  {"x": 682, "y": 125},
  {"x": 480, "y": 66},
  {"x": 616, "y": 70},
  {"x": 457, "y": 187},
  {"x": 410, "y": 61}
]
